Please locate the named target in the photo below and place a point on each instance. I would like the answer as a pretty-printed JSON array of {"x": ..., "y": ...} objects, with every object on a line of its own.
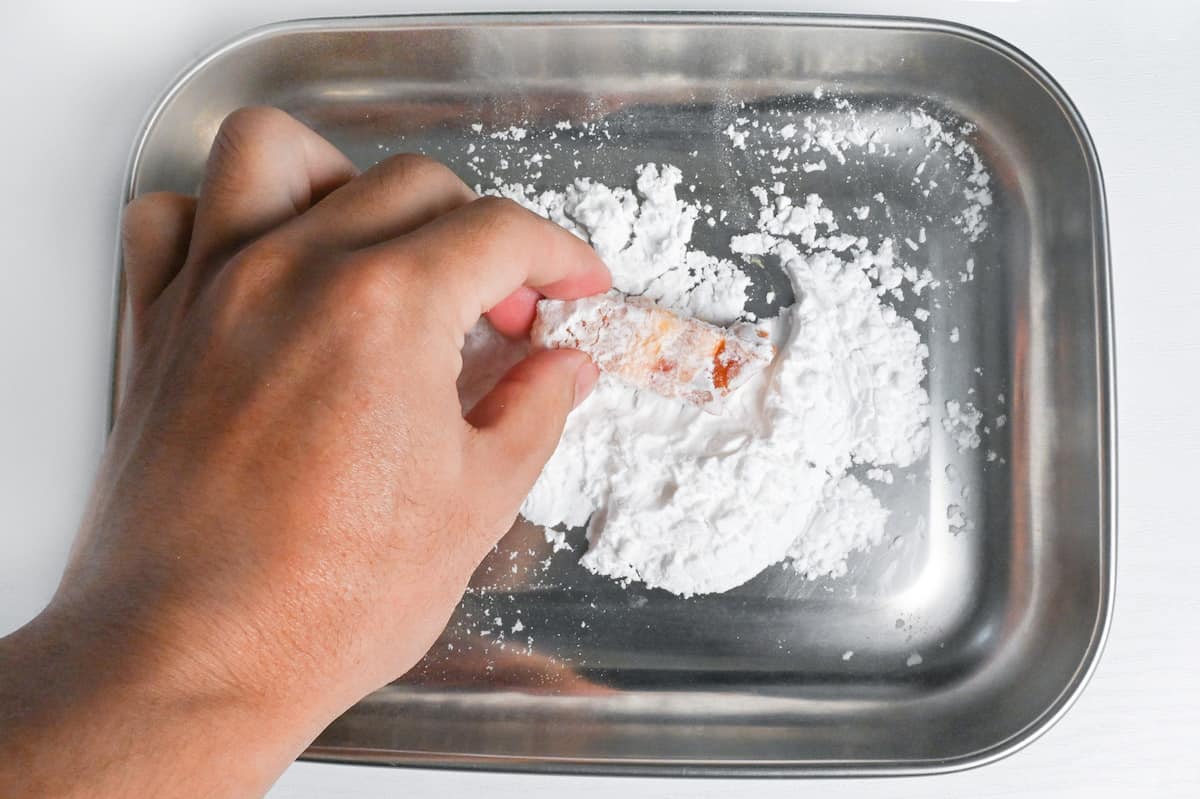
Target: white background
[{"x": 77, "y": 78}]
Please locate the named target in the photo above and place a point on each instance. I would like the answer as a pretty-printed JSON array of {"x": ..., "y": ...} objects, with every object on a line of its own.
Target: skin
[{"x": 291, "y": 502}]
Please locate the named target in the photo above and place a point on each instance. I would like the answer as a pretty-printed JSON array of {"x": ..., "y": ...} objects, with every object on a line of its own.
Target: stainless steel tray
[{"x": 1008, "y": 618}]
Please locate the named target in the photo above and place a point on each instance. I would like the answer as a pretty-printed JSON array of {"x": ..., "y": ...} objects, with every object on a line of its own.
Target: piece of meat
[{"x": 649, "y": 347}]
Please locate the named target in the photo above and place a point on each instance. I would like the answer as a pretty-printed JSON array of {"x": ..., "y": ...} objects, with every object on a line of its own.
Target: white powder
[
  {"x": 737, "y": 138},
  {"x": 962, "y": 423},
  {"x": 972, "y": 220},
  {"x": 513, "y": 133},
  {"x": 881, "y": 475},
  {"x": 849, "y": 516},
  {"x": 652, "y": 226},
  {"x": 695, "y": 503},
  {"x": 956, "y": 519}
]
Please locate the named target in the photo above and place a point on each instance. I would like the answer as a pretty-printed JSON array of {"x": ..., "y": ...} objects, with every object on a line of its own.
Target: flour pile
[{"x": 694, "y": 503}]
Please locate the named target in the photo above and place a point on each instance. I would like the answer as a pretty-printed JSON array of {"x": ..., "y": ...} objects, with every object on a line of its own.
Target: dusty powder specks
[
  {"x": 737, "y": 138},
  {"x": 956, "y": 519},
  {"x": 972, "y": 219},
  {"x": 962, "y": 423}
]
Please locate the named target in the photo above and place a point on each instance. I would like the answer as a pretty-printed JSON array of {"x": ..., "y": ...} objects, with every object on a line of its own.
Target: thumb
[{"x": 520, "y": 421}]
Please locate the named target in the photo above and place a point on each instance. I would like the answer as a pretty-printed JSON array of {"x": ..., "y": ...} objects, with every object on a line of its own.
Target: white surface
[{"x": 78, "y": 79}]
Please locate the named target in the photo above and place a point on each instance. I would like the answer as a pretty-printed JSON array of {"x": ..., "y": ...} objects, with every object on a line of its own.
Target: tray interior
[{"x": 1006, "y": 616}]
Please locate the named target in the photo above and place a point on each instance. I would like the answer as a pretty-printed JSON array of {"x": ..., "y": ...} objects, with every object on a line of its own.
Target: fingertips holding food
[{"x": 513, "y": 316}]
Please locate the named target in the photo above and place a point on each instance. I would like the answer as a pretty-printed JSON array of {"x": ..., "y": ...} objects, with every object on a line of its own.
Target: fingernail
[{"x": 585, "y": 381}]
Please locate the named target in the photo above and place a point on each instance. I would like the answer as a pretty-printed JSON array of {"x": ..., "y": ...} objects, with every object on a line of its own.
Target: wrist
[{"x": 94, "y": 707}]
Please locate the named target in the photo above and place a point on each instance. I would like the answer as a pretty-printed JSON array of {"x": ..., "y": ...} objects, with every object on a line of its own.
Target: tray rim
[{"x": 1105, "y": 371}]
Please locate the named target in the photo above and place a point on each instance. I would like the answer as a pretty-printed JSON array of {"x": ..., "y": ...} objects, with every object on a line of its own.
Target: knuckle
[
  {"x": 365, "y": 290},
  {"x": 252, "y": 119},
  {"x": 501, "y": 210},
  {"x": 244, "y": 128},
  {"x": 406, "y": 167},
  {"x": 249, "y": 271},
  {"x": 411, "y": 172},
  {"x": 264, "y": 255},
  {"x": 498, "y": 217}
]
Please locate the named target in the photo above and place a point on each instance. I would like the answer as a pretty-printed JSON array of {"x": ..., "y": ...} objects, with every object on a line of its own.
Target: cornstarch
[{"x": 696, "y": 503}]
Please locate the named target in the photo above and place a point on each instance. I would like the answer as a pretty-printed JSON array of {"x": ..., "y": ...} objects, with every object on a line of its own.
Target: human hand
[{"x": 291, "y": 501}]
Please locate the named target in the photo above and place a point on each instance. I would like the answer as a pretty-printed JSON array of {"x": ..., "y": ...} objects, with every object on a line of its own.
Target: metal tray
[{"x": 1007, "y": 618}]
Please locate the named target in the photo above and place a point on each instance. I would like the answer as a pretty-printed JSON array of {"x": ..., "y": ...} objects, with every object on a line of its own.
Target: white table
[{"x": 77, "y": 80}]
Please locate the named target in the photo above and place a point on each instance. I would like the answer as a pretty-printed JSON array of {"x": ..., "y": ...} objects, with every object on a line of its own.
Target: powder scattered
[
  {"x": 737, "y": 138},
  {"x": 972, "y": 220},
  {"x": 962, "y": 423},
  {"x": 956, "y": 519},
  {"x": 513, "y": 133}
]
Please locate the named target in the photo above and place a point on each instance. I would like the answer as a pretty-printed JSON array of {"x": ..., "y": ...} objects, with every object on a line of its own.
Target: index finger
[{"x": 481, "y": 253}]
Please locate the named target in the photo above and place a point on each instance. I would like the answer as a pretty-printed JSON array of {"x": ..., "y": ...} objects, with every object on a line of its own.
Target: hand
[{"x": 291, "y": 501}]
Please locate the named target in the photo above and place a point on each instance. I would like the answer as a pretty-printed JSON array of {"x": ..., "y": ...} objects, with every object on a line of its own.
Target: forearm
[{"x": 90, "y": 712}]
